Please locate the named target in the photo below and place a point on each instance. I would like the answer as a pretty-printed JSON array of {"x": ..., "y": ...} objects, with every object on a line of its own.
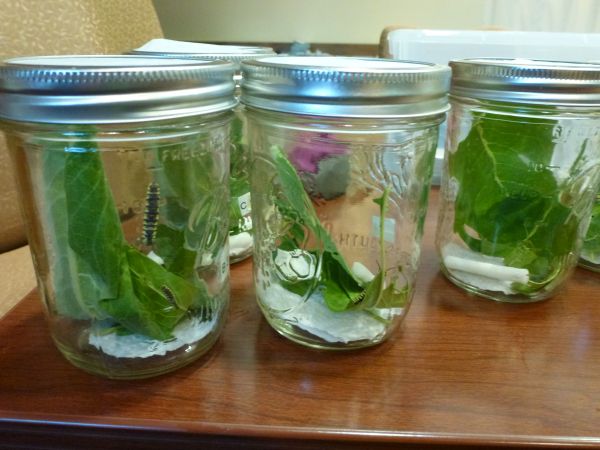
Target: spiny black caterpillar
[
  {"x": 168, "y": 294},
  {"x": 151, "y": 214},
  {"x": 360, "y": 297}
]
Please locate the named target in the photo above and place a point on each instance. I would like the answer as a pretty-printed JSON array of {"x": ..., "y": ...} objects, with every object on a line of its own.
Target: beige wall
[{"x": 327, "y": 21}]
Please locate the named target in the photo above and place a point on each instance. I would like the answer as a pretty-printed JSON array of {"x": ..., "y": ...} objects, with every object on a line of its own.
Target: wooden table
[{"x": 464, "y": 371}]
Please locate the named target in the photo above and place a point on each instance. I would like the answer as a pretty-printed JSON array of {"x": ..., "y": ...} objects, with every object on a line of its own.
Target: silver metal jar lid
[
  {"x": 527, "y": 81},
  {"x": 112, "y": 89},
  {"x": 345, "y": 87}
]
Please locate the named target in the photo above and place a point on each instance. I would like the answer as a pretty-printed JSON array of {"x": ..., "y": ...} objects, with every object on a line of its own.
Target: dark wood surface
[{"x": 463, "y": 371}]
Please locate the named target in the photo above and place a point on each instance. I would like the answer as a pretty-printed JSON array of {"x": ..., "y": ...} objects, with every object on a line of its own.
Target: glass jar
[
  {"x": 342, "y": 156},
  {"x": 590, "y": 253},
  {"x": 522, "y": 165},
  {"x": 240, "y": 206},
  {"x": 122, "y": 166}
]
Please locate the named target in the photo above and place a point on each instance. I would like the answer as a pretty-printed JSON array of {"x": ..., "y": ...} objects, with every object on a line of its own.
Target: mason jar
[
  {"x": 240, "y": 206},
  {"x": 521, "y": 171},
  {"x": 122, "y": 166},
  {"x": 590, "y": 253},
  {"x": 342, "y": 154}
]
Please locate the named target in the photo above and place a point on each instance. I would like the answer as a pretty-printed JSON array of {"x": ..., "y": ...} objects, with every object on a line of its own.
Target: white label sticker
[
  {"x": 389, "y": 228},
  {"x": 244, "y": 204}
]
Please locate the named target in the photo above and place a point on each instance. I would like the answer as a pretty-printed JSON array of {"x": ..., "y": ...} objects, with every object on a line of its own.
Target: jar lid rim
[
  {"x": 345, "y": 86},
  {"x": 527, "y": 80},
  {"x": 112, "y": 88}
]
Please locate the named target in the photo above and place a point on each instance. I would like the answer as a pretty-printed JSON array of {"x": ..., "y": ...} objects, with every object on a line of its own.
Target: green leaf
[
  {"x": 591, "y": 245},
  {"x": 377, "y": 295},
  {"x": 239, "y": 183},
  {"x": 141, "y": 308},
  {"x": 190, "y": 205},
  {"x": 95, "y": 233},
  {"x": 169, "y": 245},
  {"x": 186, "y": 173},
  {"x": 298, "y": 200},
  {"x": 239, "y": 160},
  {"x": 152, "y": 300},
  {"x": 72, "y": 298},
  {"x": 392, "y": 297},
  {"x": 509, "y": 203},
  {"x": 340, "y": 288},
  {"x": 96, "y": 274},
  {"x": 371, "y": 296}
]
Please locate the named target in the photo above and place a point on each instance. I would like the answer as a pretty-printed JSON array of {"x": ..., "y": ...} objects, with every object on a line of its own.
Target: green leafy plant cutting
[
  {"x": 97, "y": 274},
  {"x": 591, "y": 245},
  {"x": 239, "y": 184},
  {"x": 341, "y": 289},
  {"x": 510, "y": 203}
]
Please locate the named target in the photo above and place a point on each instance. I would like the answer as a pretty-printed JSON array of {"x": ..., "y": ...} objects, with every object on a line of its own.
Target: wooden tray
[{"x": 463, "y": 371}]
